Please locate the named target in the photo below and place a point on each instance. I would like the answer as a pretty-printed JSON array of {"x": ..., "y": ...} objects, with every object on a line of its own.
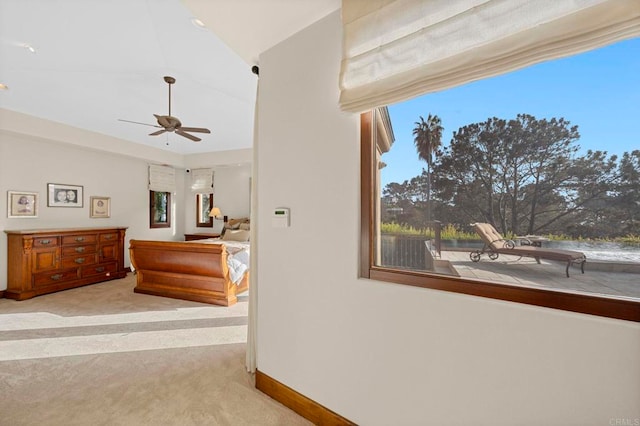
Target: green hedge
[{"x": 450, "y": 232}]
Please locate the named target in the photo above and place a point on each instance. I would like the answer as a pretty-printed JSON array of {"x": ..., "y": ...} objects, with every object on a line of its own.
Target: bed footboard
[{"x": 185, "y": 270}]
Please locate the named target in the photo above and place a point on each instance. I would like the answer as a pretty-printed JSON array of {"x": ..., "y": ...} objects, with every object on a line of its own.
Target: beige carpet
[{"x": 103, "y": 355}]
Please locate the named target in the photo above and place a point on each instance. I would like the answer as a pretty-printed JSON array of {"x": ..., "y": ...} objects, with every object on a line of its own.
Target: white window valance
[
  {"x": 394, "y": 50},
  {"x": 202, "y": 181},
  {"x": 162, "y": 178}
]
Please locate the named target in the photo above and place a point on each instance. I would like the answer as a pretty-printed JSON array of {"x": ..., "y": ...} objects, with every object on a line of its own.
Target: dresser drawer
[
  {"x": 55, "y": 277},
  {"x": 85, "y": 259},
  {"x": 105, "y": 269},
  {"x": 105, "y": 238},
  {"x": 76, "y": 250},
  {"x": 78, "y": 239},
  {"x": 45, "y": 242}
]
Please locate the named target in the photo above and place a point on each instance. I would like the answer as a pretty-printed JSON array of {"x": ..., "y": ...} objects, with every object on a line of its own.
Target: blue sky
[{"x": 599, "y": 91}]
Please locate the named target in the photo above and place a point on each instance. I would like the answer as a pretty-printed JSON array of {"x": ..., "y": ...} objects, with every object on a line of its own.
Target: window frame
[
  {"x": 199, "y": 204},
  {"x": 371, "y": 128},
  {"x": 152, "y": 211}
]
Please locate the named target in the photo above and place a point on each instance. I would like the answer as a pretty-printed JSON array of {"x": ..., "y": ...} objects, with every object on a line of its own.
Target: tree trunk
[
  {"x": 534, "y": 203},
  {"x": 428, "y": 193},
  {"x": 514, "y": 204}
]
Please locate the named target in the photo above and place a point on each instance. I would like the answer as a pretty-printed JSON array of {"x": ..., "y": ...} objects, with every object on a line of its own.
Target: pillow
[
  {"x": 229, "y": 225},
  {"x": 236, "y": 235},
  {"x": 235, "y": 223},
  {"x": 244, "y": 226}
]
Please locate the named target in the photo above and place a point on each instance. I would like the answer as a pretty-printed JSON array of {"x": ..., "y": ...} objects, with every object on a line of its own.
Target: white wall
[
  {"x": 28, "y": 161},
  {"x": 384, "y": 354}
]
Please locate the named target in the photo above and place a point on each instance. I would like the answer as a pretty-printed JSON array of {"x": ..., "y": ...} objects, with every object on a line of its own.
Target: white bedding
[{"x": 237, "y": 259}]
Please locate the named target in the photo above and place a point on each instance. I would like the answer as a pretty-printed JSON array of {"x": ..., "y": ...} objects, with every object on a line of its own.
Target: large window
[{"x": 548, "y": 157}]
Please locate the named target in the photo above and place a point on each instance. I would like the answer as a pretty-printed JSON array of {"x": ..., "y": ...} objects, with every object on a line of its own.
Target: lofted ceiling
[{"x": 97, "y": 62}]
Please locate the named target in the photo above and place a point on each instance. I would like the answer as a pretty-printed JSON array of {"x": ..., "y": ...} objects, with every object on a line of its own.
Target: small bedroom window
[
  {"x": 204, "y": 204},
  {"x": 159, "y": 209}
]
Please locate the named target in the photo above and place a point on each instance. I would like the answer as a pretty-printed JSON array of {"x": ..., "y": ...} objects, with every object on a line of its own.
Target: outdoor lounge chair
[{"x": 495, "y": 244}]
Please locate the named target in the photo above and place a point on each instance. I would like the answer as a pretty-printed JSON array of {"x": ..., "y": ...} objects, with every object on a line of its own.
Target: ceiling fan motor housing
[{"x": 168, "y": 122}]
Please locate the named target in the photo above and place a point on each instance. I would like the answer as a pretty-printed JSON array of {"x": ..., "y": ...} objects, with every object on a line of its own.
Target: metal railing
[{"x": 411, "y": 251}]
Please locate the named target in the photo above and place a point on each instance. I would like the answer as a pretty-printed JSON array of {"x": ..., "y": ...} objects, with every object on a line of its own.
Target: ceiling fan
[{"x": 168, "y": 123}]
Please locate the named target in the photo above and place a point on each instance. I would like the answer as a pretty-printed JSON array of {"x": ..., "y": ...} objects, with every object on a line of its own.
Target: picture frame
[
  {"x": 63, "y": 195},
  {"x": 100, "y": 207},
  {"x": 22, "y": 204}
]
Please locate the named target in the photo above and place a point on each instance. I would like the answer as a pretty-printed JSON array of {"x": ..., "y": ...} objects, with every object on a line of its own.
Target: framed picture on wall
[
  {"x": 100, "y": 207},
  {"x": 22, "y": 204},
  {"x": 63, "y": 195}
]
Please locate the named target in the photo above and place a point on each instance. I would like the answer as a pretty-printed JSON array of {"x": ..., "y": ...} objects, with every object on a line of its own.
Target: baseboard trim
[
  {"x": 307, "y": 408},
  {"x": 1, "y": 294}
]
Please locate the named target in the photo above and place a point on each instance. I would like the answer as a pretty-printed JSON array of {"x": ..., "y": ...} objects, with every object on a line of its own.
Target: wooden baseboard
[
  {"x": 307, "y": 408},
  {"x": 1, "y": 294}
]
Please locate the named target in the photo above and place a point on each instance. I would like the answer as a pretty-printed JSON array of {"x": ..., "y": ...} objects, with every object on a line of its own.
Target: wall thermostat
[{"x": 280, "y": 217}]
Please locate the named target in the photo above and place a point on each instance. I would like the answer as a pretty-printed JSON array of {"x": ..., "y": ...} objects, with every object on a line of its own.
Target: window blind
[
  {"x": 394, "y": 50},
  {"x": 202, "y": 181},
  {"x": 162, "y": 178}
]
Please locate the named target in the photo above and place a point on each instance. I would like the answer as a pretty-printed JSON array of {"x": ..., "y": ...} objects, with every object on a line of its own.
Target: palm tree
[{"x": 427, "y": 136}]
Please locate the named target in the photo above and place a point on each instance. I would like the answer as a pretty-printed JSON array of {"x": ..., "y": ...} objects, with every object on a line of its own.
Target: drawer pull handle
[
  {"x": 56, "y": 277},
  {"x": 100, "y": 269},
  {"x": 80, "y": 249},
  {"x": 43, "y": 242},
  {"x": 80, "y": 260},
  {"x": 108, "y": 237},
  {"x": 79, "y": 238}
]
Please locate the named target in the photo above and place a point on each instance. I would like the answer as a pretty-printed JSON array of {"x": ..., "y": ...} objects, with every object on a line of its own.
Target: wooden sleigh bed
[{"x": 194, "y": 270}]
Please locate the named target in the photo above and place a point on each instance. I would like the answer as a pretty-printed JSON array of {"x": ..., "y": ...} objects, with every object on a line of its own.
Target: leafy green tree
[
  {"x": 467, "y": 172},
  {"x": 625, "y": 202},
  {"x": 397, "y": 203},
  {"x": 507, "y": 172},
  {"x": 405, "y": 203},
  {"x": 630, "y": 192},
  {"x": 545, "y": 150},
  {"x": 523, "y": 175},
  {"x": 587, "y": 193}
]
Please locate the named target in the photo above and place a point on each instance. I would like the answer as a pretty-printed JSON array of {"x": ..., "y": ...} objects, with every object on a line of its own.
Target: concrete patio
[{"x": 603, "y": 278}]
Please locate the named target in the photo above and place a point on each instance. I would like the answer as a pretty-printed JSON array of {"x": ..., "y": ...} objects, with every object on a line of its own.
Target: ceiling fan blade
[
  {"x": 137, "y": 122},
  {"x": 159, "y": 132},
  {"x": 195, "y": 129},
  {"x": 187, "y": 135}
]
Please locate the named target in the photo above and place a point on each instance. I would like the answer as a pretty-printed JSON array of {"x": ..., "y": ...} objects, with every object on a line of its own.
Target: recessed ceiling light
[
  {"x": 198, "y": 23},
  {"x": 4, "y": 86},
  {"x": 29, "y": 47}
]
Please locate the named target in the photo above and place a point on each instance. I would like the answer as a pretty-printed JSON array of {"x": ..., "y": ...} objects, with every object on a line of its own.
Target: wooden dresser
[{"x": 42, "y": 261}]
